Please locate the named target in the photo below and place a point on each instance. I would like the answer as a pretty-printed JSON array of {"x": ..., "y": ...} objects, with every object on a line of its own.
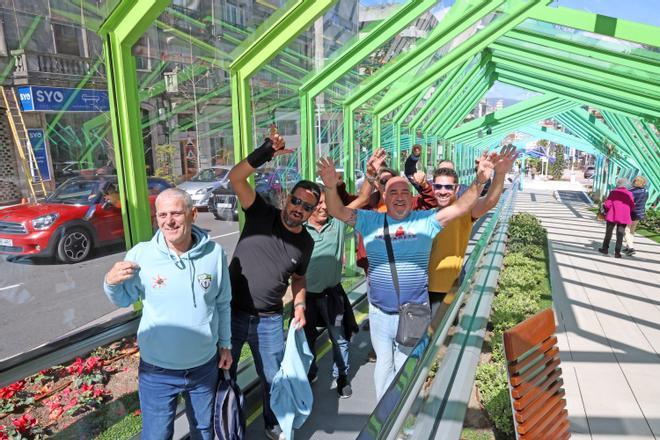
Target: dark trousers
[
  {"x": 318, "y": 315},
  {"x": 620, "y": 231}
]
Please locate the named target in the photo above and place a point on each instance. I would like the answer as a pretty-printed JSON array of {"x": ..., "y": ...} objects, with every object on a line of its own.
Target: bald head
[{"x": 176, "y": 193}]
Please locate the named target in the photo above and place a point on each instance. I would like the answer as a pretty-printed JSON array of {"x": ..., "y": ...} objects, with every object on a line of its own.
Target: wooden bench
[{"x": 535, "y": 384}]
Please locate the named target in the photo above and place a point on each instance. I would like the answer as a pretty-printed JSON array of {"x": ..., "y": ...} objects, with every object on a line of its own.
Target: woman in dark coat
[{"x": 640, "y": 196}]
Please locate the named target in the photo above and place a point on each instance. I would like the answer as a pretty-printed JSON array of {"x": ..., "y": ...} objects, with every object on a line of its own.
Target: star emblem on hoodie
[{"x": 158, "y": 281}]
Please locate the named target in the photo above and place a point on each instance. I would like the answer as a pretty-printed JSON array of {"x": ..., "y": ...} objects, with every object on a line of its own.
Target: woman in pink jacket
[{"x": 619, "y": 205}]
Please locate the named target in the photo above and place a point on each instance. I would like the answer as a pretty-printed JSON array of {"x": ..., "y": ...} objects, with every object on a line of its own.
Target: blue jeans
[
  {"x": 159, "y": 388},
  {"x": 390, "y": 355},
  {"x": 321, "y": 318},
  {"x": 265, "y": 336}
]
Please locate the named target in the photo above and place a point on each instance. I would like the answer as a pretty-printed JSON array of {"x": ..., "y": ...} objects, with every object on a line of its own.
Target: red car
[{"x": 77, "y": 217}]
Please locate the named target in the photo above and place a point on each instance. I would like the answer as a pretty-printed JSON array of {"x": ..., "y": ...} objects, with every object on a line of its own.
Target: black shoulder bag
[{"x": 414, "y": 319}]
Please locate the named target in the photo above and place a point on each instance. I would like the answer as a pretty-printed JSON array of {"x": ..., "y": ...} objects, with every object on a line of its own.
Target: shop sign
[
  {"x": 36, "y": 136},
  {"x": 56, "y": 99}
]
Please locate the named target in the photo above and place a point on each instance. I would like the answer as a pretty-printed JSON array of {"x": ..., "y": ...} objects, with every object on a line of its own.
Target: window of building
[
  {"x": 234, "y": 14},
  {"x": 68, "y": 39}
]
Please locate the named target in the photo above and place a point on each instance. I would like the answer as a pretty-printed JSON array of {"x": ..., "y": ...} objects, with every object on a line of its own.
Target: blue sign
[
  {"x": 36, "y": 136},
  {"x": 55, "y": 99}
]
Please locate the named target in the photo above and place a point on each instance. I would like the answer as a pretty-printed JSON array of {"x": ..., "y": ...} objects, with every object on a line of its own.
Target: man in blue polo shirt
[{"x": 411, "y": 235}]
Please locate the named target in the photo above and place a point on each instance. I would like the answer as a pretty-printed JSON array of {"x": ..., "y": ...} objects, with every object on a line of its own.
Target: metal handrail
[{"x": 392, "y": 410}]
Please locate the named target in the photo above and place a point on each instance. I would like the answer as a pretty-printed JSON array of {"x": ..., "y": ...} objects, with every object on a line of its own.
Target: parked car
[
  {"x": 82, "y": 213},
  {"x": 271, "y": 184},
  {"x": 201, "y": 184},
  {"x": 589, "y": 172}
]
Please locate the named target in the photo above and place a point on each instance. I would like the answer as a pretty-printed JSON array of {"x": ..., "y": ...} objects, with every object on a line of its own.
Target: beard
[{"x": 291, "y": 221}]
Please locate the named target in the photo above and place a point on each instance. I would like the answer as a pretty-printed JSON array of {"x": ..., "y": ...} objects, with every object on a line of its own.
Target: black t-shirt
[
  {"x": 266, "y": 255},
  {"x": 410, "y": 167}
]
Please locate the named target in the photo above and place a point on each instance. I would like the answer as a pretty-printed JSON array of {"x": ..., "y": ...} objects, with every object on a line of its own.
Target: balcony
[{"x": 57, "y": 69}]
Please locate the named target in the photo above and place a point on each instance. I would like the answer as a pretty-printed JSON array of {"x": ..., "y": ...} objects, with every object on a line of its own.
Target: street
[{"x": 41, "y": 300}]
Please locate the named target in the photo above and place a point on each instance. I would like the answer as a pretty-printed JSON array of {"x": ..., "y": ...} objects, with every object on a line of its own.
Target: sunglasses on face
[
  {"x": 448, "y": 186},
  {"x": 308, "y": 207},
  {"x": 384, "y": 180}
]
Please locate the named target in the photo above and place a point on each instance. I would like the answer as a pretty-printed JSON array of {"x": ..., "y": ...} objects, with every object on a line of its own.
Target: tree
[{"x": 557, "y": 168}]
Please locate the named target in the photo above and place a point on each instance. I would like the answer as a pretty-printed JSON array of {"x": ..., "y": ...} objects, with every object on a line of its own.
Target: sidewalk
[{"x": 608, "y": 317}]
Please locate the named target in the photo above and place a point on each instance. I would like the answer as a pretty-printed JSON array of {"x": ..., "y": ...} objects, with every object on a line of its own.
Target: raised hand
[
  {"x": 121, "y": 271},
  {"x": 376, "y": 161},
  {"x": 420, "y": 178},
  {"x": 325, "y": 168},
  {"x": 485, "y": 166},
  {"x": 505, "y": 160},
  {"x": 278, "y": 142}
]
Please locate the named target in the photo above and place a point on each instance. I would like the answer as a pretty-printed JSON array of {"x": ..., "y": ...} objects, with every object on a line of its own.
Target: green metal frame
[
  {"x": 119, "y": 32},
  {"x": 271, "y": 37}
]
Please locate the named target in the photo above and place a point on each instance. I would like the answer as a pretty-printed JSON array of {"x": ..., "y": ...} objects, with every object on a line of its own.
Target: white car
[{"x": 205, "y": 181}]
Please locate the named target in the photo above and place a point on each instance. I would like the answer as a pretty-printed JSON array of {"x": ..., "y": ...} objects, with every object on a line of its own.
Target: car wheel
[
  {"x": 74, "y": 245},
  {"x": 216, "y": 215}
]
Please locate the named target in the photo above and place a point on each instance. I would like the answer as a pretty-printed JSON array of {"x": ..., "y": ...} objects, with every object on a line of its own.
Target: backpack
[{"x": 229, "y": 415}]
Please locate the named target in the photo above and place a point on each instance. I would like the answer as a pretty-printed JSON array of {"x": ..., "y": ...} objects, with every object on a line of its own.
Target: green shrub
[
  {"x": 532, "y": 251},
  {"x": 509, "y": 310},
  {"x": 525, "y": 228},
  {"x": 652, "y": 221},
  {"x": 524, "y": 278},
  {"x": 519, "y": 259},
  {"x": 494, "y": 391}
]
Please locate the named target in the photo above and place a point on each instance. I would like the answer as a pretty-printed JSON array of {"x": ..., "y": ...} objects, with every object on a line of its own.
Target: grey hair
[
  {"x": 622, "y": 181},
  {"x": 176, "y": 193}
]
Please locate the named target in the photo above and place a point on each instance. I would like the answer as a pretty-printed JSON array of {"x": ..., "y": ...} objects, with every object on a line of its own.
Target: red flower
[
  {"x": 24, "y": 423},
  {"x": 9, "y": 391},
  {"x": 3, "y": 433}
]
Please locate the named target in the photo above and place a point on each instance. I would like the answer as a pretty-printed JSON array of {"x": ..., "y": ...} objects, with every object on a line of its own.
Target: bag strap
[{"x": 390, "y": 257}]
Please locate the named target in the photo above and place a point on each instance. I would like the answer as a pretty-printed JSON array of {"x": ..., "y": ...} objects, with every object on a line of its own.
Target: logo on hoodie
[
  {"x": 204, "y": 280},
  {"x": 158, "y": 281}
]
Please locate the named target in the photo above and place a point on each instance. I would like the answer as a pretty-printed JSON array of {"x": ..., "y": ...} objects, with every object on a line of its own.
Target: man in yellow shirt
[{"x": 449, "y": 246}]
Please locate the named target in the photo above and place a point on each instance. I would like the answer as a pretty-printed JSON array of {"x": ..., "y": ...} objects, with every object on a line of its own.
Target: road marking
[
  {"x": 11, "y": 287},
  {"x": 224, "y": 235}
]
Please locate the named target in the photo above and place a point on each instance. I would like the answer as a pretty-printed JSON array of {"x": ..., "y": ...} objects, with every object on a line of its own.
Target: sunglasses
[
  {"x": 448, "y": 186},
  {"x": 384, "y": 180},
  {"x": 308, "y": 207}
]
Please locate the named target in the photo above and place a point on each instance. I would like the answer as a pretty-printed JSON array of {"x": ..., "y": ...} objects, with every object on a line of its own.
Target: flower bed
[
  {"x": 523, "y": 289},
  {"x": 79, "y": 400}
]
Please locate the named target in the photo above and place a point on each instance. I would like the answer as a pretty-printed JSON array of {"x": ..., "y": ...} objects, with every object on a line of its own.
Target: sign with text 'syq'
[
  {"x": 56, "y": 99},
  {"x": 38, "y": 143}
]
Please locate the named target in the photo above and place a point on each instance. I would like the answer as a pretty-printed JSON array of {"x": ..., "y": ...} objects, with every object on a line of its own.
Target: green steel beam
[
  {"x": 548, "y": 43},
  {"x": 466, "y": 106},
  {"x": 482, "y": 73},
  {"x": 457, "y": 89},
  {"x": 502, "y": 116},
  {"x": 599, "y": 24},
  {"x": 439, "y": 92},
  {"x": 448, "y": 29},
  {"x": 271, "y": 37},
  {"x": 534, "y": 79},
  {"x": 562, "y": 138},
  {"x": 119, "y": 32},
  {"x": 361, "y": 48},
  {"x": 569, "y": 67},
  {"x": 468, "y": 48}
]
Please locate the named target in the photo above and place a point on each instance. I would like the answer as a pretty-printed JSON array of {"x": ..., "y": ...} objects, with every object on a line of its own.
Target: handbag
[{"x": 414, "y": 319}]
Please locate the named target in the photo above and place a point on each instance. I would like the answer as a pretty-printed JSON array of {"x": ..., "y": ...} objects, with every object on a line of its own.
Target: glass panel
[
  {"x": 54, "y": 252},
  {"x": 641, "y": 11},
  {"x": 592, "y": 40}
]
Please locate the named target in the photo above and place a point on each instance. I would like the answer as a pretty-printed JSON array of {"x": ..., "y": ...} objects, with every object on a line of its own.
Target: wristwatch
[{"x": 300, "y": 304}]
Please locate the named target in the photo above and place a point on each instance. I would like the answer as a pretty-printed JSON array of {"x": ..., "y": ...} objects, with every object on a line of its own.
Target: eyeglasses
[
  {"x": 448, "y": 186},
  {"x": 295, "y": 201},
  {"x": 384, "y": 180}
]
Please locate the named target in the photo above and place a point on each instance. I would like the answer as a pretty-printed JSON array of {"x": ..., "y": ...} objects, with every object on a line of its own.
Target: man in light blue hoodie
[{"x": 185, "y": 332}]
